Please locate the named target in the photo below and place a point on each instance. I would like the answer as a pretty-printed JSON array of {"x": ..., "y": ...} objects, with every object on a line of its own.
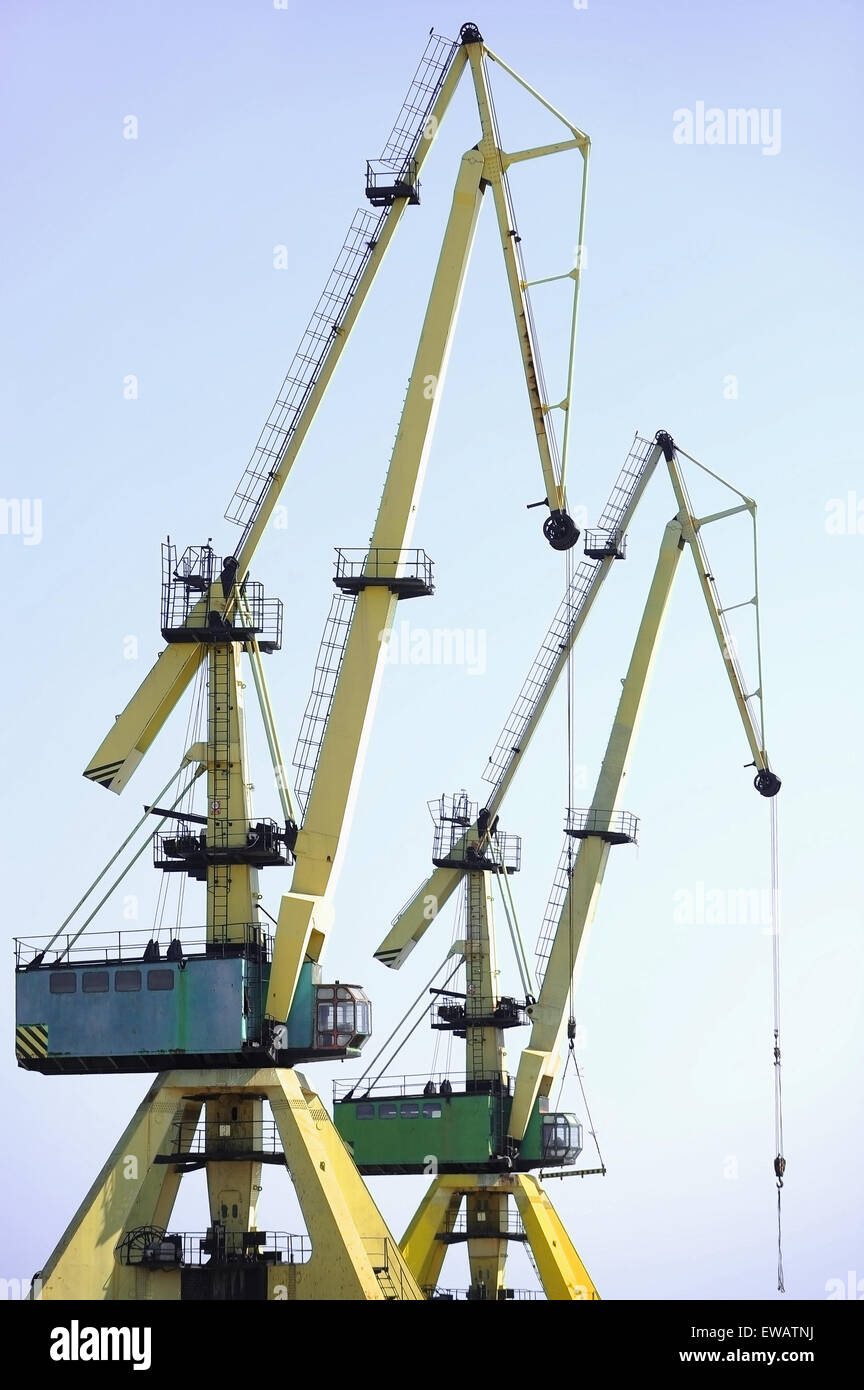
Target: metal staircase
[
  {"x": 329, "y": 313},
  {"x": 389, "y": 1271},
  {"x": 327, "y": 667},
  {"x": 583, "y": 588}
]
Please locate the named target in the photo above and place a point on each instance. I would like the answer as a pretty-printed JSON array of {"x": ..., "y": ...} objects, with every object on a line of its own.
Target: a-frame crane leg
[
  {"x": 108, "y": 1250},
  {"x": 424, "y": 1243},
  {"x": 130, "y": 1192},
  {"x": 562, "y": 1273},
  {"x": 354, "y": 1256},
  {"x": 487, "y": 1228},
  {"x": 427, "y": 1239}
]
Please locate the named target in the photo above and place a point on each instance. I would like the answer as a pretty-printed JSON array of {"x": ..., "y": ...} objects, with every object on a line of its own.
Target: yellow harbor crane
[
  {"x": 490, "y": 1128},
  {"x": 224, "y": 1014},
  {"x": 229, "y": 1011}
]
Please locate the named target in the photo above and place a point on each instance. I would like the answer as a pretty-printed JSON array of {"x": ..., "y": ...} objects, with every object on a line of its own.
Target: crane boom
[
  {"x": 490, "y": 145},
  {"x": 392, "y": 183},
  {"x": 534, "y": 695},
  {"x": 342, "y": 298},
  {"x": 539, "y": 1061},
  {"x": 306, "y": 381},
  {"x": 305, "y": 911}
]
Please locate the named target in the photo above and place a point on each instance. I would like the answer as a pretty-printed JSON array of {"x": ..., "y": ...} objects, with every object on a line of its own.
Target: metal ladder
[
  {"x": 403, "y": 140},
  {"x": 327, "y": 667},
  {"x": 474, "y": 889},
  {"x": 338, "y": 292},
  {"x": 626, "y": 484},
  {"x": 581, "y": 589},
  {"x": 552, "y": 915},
  {"x": 218, "y": 878}
]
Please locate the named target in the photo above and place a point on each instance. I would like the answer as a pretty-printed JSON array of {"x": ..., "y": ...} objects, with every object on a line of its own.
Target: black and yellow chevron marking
[
  {"x": 104, "y": 774},
  {"x": 31, "y": 1040},
  {"x": 388, "y": 957}
]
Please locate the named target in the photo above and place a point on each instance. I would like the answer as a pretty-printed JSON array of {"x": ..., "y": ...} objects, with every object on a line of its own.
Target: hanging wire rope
[
  {"x": 195, "y": 721},
  {"x": 570, "y": 781},
  {"x": 115, "y": 856},
  {"x": 779, "y": 1159},
  {"x": 591, "y": 1130},
  {"x": 136, "y": 856},
  {"x": 387, "y": 1041},
  {"x": 159, "y": 909},
  {"x": 184, "y": 806}
]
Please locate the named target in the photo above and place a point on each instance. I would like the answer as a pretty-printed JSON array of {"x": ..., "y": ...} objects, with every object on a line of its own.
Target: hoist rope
[
  {"x": 571, "y": 1054},
  {"x": 135, "y": 857},
  {"x": 402, "y": 1020},
  {"x": 569, "y": 697},
  {"x": 502, "y": 878},
  {"x": 115, "y": 856},
  {"x": 779, "y": 1160},
  {"x": 591, "y": 1129}
]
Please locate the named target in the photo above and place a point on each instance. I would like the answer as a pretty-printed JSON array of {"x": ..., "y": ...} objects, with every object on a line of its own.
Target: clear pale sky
[{"x": 154, "y": 258}]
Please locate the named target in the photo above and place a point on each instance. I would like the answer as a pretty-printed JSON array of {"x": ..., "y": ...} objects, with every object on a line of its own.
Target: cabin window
[
  {"x": 160, "y": 979},
  {"x": 94, "y": 982},
  {"x": 63, "y": 982},
  {"x": 386, "y": 1111},
  {"x": 127, "y": 981},
  {"x": 409, "y": 1110},
  {"x": 365, "y": 1111},
  {"x": 561, "y": 1137},
  {"x": 431, "y": 1110}
]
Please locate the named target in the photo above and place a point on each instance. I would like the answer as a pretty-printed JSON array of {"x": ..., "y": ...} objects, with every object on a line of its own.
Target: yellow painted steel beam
[
  {"x": 232, "y": 889},
  {"x": 540, "y": 151},
  {"x": 532, "y": 91},
  {"x": 335, "y": 785},
  {"x": 495, "y": 173},
  {"x": 130, "y": 1191},
  {"x": 418, "y": 915},
  {"x": 354, "y": 1255},
  {"x": 436, "y": 1216},
  {"x": 692, "y": 533},
  {"x": 562, "y": 1274},
  {"x": 539, "y": 1061},
  {"x": 517, "y": 757},
  {"x": 124, "y": 746},
  {"x": 487, "y": 1255},
  {"x": 122, "y": 749},
  {"x": 432, "y": 895},
  {"x": 480, "y": 952},
  {"x": 364, "y": 284}
]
